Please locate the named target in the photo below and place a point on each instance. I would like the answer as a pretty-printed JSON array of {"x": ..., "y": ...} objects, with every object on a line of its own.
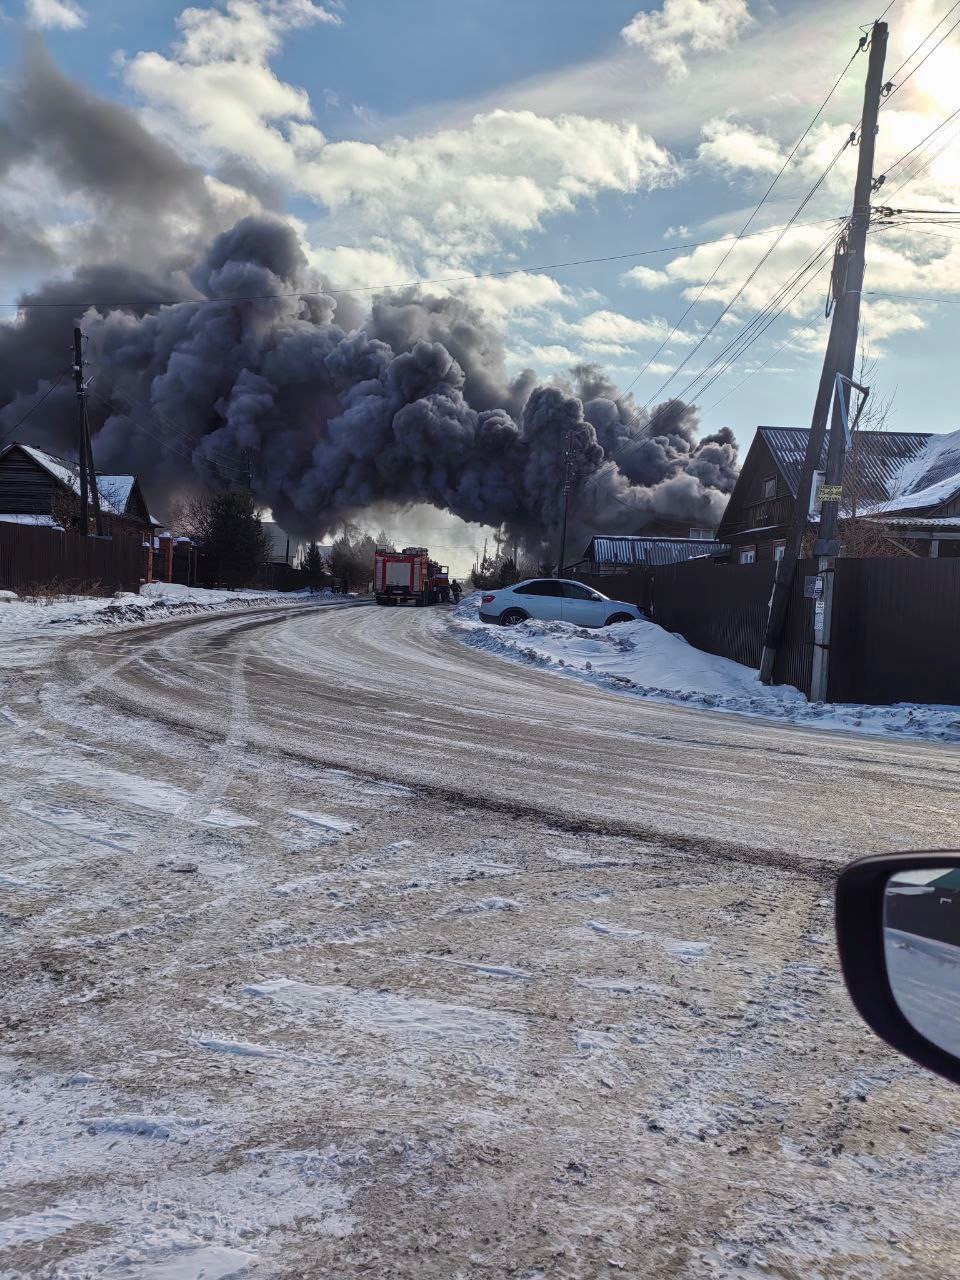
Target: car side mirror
[{"x": 898, "y": 932}]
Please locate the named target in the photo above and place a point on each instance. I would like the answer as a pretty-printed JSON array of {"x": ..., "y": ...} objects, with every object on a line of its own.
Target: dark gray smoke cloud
[
  {"x": 336, "y": 405},
  {"x": 413, "y": 405},
  {"x": 150, "y": 206}
]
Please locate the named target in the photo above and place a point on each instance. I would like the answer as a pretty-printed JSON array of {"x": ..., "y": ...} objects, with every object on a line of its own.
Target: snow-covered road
[{"x": 333, "y": 947}]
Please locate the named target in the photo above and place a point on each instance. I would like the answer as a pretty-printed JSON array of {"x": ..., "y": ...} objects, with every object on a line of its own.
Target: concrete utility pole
[
  {"x": 88, "y": 476},
  {"x": 848, "y": 269}
]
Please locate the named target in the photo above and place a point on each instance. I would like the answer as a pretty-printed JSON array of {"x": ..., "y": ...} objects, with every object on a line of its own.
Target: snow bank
[
  {"x": 25, "y": 623},
  {"x": 157, "y": 600},
  {"x": 642, "y": 660}
]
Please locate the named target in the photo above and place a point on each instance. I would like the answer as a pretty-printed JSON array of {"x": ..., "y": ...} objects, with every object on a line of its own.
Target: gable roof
[
  {"x": 629, "y": 550},
  {"x": 118, "y": 493},
  {"x": 117, "y": 489},
  {"x": 66, "y": 473},
  {"x": 881, "y": 458},
  {"x": 930, "y": 479}
]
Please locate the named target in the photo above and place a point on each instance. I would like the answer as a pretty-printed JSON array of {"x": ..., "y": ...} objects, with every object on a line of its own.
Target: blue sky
[{"x": 433, "y": 139}]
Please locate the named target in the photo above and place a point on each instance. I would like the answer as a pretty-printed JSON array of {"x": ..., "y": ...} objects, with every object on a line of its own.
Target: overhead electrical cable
[
  {"x": 742, "y": 233},
  {"x": 79, "y": 303},
  {"x": 898, "y": 84},
  {"x": 170, "y": 446},
  {"x": 36, "y": 405}
]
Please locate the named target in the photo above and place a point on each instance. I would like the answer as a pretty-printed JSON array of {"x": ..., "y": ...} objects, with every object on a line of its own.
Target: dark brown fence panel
[
  {"x": 633, "y": 585},
  {"x": 33, "y": 559},
  {"x": 895, "y": 632},
  {"x": 721, "y": 608}
]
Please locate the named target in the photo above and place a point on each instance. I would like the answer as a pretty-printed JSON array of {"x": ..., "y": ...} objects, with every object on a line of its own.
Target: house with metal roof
[
  {"x": 617, "y": 554},
  {"x": 39, "y": 488},
  {"x": 906, "y": 484}
]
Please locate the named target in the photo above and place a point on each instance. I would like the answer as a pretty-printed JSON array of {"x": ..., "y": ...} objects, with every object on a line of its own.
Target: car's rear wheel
[
  {"x": 618, "y": 617},
  {"x": 510, "y": 617}
]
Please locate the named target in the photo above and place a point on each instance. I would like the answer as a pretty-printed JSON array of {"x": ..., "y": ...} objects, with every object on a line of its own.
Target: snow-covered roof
[
  {"x": 68, "y": 475},
  {"x": 917, "y": 522},
  {"x": 117, "y": 489},
  {"x": 631, "y": 549},
  {"x": 886, "y": 470},
  {"x": 929, "y": 479},
  {"x": 877, "y": 461},
  {"x": 17, "y": 517}
]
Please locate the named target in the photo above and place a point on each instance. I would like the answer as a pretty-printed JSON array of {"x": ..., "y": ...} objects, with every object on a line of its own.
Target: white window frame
[
  {"x": 747, "y": 555},
  {"x": 769, "y": 480}
]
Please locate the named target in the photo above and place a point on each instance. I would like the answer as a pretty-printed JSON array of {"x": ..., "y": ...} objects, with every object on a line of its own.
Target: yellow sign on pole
[{"x": 830, "y": 493}]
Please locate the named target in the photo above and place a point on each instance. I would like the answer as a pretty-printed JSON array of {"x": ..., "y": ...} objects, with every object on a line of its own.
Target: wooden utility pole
[
  {"x": 81, "y": 431},
  {"x": 848, "y": 270},
  {"x": 568, "y": 445},
  {"x": 88, "y": 475}
]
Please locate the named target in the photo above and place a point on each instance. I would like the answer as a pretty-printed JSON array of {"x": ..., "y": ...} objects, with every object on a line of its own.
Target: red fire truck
[{"x": 409, "y": 576}]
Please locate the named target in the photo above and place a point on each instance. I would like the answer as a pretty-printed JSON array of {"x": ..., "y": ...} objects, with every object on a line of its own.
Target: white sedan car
[{"x": 554, "y": 599}]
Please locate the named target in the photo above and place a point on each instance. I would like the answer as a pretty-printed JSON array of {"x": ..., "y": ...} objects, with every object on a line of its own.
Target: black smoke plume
[
  {"x": 336, "y": 412},
  {"x": 331, "y": 406}
]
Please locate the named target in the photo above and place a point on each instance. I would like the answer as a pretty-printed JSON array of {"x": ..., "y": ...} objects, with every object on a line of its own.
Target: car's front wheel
[
  {"x": 618, "y": 617},
  {"x": 510, "y": 617}
]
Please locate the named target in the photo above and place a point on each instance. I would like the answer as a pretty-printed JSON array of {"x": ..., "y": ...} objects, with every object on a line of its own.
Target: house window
[
  {"x": 778, "y": 550},
  {"x": 748, "y": 555},
  {"x": 701, "y": 535},
  {"x": 770, "y": 487}
]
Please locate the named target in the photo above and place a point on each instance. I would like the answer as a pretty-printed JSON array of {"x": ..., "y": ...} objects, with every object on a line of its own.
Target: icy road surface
[{"x": 332, "y": 948}]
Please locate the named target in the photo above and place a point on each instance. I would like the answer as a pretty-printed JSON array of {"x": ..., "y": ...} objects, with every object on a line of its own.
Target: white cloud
[
  {"x": 730, "y": 147},
  {"x": 683, "y": 27},
  {"x": 512, "y": 296},
  {"x": 884, "y": 318},
  {"x": 646, "y": 277},
  {"x": 552, "y": 355},
  {"x": 347, "y": 267},
  {"x": 452, "y": 195},
  {"x": 56, "y": 13},
  {"x": 611, "y": 326},
  {"x": 611, "y": 333}
]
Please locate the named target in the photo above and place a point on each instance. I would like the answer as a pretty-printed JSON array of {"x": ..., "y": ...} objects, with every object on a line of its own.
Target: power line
[
  {"x": 936, "y": 129},
  {"x": 759, "y": 323},
  {"x": 918, "y": 172},
  {"x": 742, "y": 235},
  {"x": 807, "y": 328},
  {"x": 899, "y": 85},
  {"x": 170, "y": 446},
  {"x": 403, "y": 284},
  {"x": 180, "y": 432},
  {"x": 36, "y": 405},
  {"x": 911, "y": 297}
]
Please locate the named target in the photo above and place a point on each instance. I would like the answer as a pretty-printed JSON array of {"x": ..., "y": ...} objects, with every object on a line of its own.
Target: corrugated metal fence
[
  {"x": 33, "y": 560},
  {"x": 895, "y": 629}
]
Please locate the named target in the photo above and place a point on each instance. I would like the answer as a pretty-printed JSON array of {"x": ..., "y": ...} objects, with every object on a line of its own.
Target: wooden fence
[{"x": 35, "y": 560}]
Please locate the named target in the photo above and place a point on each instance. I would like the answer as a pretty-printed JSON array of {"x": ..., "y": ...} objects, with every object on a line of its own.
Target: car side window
[
  {"x": 542, "y": 587},
  {"x": 574, "y": 591}
]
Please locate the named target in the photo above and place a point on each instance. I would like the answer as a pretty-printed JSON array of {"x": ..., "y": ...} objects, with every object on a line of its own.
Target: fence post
[{"x": 166, "y": 557}]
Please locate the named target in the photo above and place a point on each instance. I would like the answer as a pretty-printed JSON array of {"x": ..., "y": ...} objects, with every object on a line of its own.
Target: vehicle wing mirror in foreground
[{"x": 898, "y": 931}]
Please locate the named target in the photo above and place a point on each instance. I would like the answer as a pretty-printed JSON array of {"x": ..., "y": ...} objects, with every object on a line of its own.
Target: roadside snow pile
[
  {"x": 45, "y": 616},
  {"x": 643, "y": 660}
]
